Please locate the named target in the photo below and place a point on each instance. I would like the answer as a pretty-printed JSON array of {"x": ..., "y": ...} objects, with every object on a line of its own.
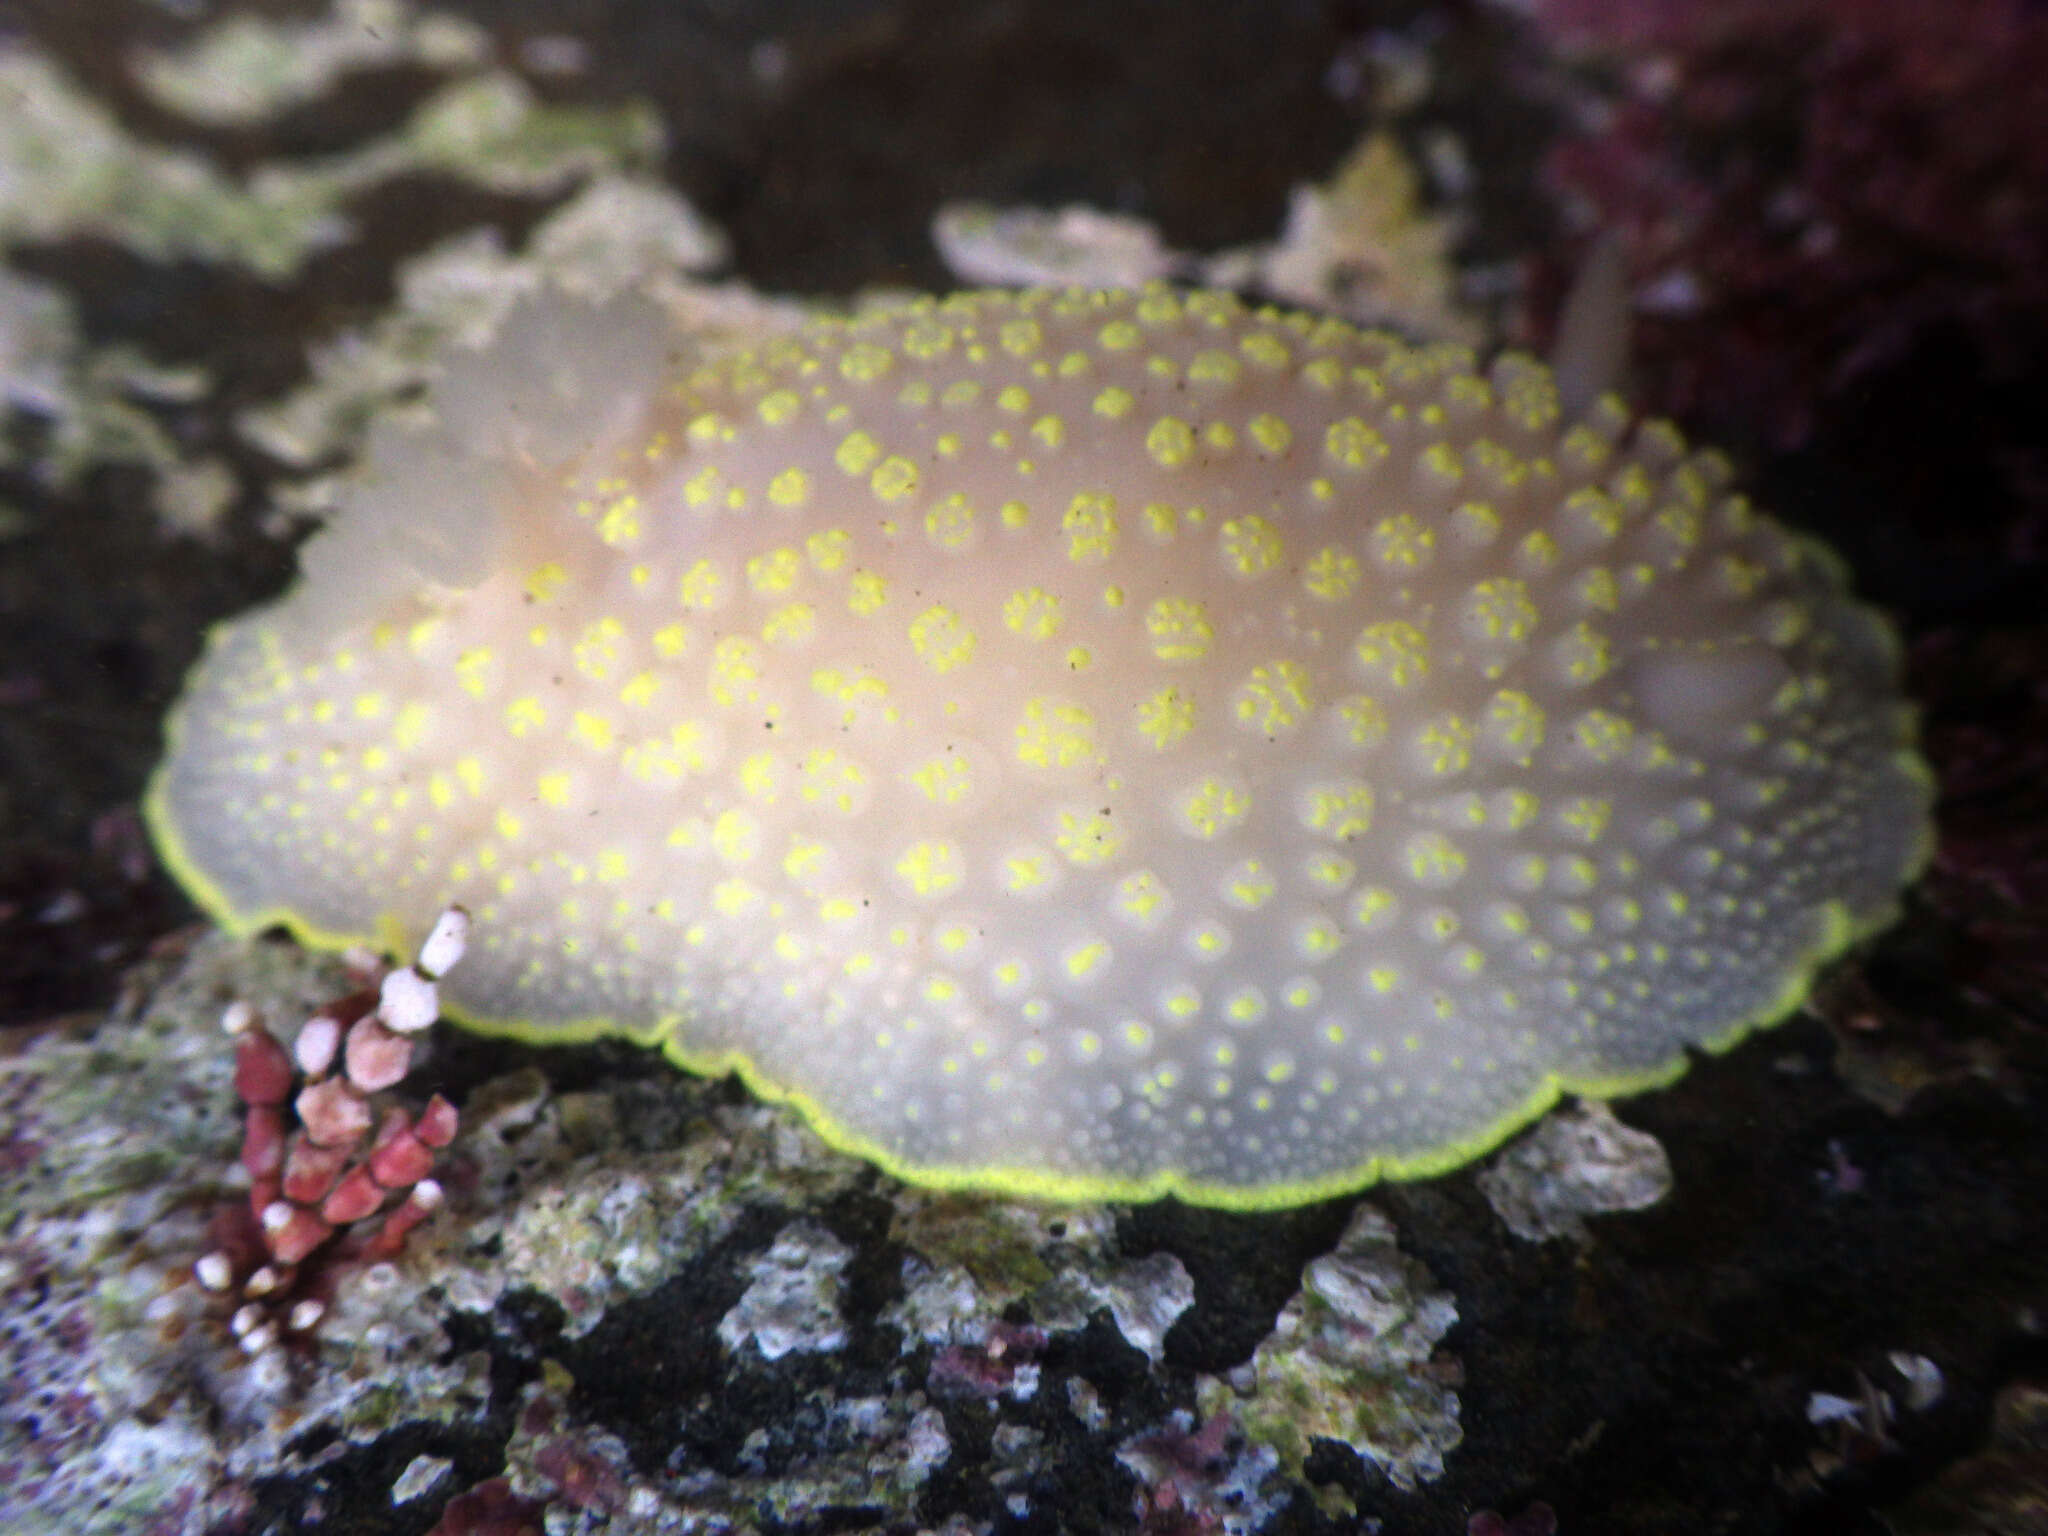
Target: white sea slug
[{"x": 1078, "y": 744}]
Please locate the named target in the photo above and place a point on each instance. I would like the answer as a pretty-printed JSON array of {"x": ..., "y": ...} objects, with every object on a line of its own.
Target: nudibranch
[{"x": 1075, "y": 744}]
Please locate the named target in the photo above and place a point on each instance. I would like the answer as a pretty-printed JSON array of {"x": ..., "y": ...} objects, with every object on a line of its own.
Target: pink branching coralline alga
[
  {"x": 337, "y": 1175},
  {"x": 1809, "y": 188}
]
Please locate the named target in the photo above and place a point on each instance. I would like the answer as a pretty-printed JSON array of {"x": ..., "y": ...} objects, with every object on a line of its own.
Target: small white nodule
[
  {"x": 214, "y": 1272},
  {"x": 445, "y": 944}
]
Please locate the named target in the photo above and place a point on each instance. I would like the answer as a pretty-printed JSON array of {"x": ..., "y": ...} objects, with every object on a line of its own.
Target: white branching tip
[
  {"x": 427, "y": 1194},
  {"x": 445, "y": 944},
  {"x": 318, "y": 1040},
  {"x": 214, "y": 1272},
  {"x": 408, "y": 1002},
  {"x": 245, "y": 1321},
  {"x": 266, "y": 1279},
  {"x": 305, "y": 1314},
  {"x": 238, "y": 1018},
  {"x": 258, "y": 1340},
  {"x": 276, "y": 1217}
]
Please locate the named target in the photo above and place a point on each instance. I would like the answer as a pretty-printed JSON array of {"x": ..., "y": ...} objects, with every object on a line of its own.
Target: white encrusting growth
[{"x": 1084, "y": 743}]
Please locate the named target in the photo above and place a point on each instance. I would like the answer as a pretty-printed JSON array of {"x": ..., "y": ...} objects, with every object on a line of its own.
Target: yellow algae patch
[{"x": 1079, "y": 744}]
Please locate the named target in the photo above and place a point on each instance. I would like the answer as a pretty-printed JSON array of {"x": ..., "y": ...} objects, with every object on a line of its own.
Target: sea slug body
[{"x": 1085, "y": 744}]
